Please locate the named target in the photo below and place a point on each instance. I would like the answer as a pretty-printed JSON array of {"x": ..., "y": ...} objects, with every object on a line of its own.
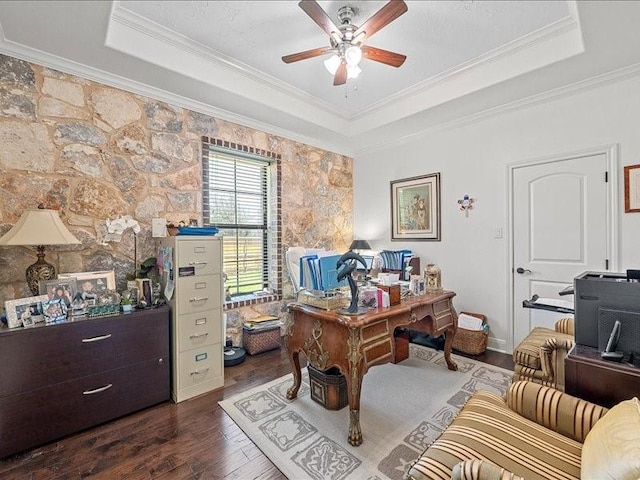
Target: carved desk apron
[{"x": 355, "y": 343}]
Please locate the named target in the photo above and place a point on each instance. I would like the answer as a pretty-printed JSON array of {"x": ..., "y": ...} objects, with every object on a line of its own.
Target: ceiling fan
[{"x": 347, "y": 40}]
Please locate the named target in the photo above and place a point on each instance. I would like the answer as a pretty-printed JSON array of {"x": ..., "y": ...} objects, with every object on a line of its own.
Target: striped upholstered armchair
[
  {"x": 534, "y": 433},
  {"x": 540, "y": 356}
]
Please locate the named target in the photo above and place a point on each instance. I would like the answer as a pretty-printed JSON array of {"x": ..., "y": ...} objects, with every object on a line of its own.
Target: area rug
[{"x": 403, "y": 408}]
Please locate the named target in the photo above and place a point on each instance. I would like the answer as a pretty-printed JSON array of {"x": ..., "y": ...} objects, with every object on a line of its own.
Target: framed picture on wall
[
  {"x": 415, "y": 208},
  {"x": 632, "y": 188}
]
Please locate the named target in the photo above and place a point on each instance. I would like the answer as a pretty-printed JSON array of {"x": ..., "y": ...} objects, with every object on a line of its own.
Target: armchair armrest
[
  {"x": 481, "y": 470},
  {"x": 553, "y": 409},
  {"x": 565, "y": 325},
  {"x": 552, "y": 354}
]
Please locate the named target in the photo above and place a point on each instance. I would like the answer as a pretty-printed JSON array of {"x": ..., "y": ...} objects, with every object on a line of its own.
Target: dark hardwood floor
[{"x": 191, "y": 440}]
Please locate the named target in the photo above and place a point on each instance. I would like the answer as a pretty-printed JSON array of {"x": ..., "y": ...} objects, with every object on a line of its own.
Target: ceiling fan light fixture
[
  {"x": 353, "y": 71},
  {"x": 353, "y": 55},
  {"x": 332, "y": 63}
]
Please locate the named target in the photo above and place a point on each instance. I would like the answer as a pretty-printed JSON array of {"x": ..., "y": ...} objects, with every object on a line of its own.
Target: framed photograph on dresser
[
  {"x": 91, "y": 285},
  {"x": 25, "y": 311}
]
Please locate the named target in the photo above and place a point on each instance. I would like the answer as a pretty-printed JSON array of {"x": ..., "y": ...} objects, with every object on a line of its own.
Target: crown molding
[
  {"x": 506, "y": 51},
  {"x": 131, "y": 20},
  {"x": 598, "y": 81},
  {"x": 55, "y": 62}
]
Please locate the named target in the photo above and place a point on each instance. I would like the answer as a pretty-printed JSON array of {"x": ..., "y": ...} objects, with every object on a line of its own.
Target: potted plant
[{"x": 126, "y": 302}]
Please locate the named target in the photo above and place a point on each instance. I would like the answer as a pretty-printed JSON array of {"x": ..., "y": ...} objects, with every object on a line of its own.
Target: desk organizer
[
  {"x": 258, "y": 340},
  {"x": 333, "y": 302}
]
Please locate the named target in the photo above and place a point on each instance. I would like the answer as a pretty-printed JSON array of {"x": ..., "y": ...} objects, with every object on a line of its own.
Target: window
[{"x": 236, "y": 199}]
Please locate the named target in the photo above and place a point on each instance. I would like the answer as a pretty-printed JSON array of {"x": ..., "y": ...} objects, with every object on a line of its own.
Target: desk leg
[
  {"x": 448, "y": 345},
  {"x": 354, "y": 385},
  {"x": 294, "y": 358}
]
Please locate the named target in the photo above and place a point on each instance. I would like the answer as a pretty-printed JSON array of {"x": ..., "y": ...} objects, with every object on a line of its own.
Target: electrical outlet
[{"x": 497, "y": 232}]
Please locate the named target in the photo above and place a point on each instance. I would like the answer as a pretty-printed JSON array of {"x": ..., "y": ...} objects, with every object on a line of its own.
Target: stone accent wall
[{"x": 94, "y": 152}]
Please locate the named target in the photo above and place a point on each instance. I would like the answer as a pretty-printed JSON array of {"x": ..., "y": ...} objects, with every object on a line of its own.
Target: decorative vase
[{"x": 433, "y": 278}]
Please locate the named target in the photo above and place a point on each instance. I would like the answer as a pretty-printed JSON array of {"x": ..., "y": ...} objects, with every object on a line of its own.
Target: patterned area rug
[{"x": 403, "y": 409}]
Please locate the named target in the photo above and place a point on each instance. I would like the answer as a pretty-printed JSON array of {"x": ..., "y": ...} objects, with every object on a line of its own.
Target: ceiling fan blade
[
  {"x": 296, "y": 57},
  {"x": 318, "y": 15},
  {"x": 340, "y": 77},
  {"x": 381, "y": 18},
  {"x": 383, "y": 56}
]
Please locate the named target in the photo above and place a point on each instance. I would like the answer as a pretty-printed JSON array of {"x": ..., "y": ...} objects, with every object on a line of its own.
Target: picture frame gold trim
[{"x": 415, "y": 208}]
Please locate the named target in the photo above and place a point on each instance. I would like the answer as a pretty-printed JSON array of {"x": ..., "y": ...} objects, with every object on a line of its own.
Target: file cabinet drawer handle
[
  {"x": 198, "y": 335},
  {"x": 199, "y": 299},
  {"x": 197, "y": 263},
  {"x": 96, "y": 339},
  {"x": 98, "y": 390},
  {"x": 199, "y": 372}
]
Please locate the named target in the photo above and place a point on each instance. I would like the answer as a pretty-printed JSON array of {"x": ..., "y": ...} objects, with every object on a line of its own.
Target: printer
[{"x": 601, "y": 299}]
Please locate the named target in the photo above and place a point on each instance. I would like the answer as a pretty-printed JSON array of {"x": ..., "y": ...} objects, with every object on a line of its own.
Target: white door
[{"x": 561, "y": 226}]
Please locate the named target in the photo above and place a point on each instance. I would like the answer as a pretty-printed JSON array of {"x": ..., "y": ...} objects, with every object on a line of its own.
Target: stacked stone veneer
[{"x": 95, "y": 152}]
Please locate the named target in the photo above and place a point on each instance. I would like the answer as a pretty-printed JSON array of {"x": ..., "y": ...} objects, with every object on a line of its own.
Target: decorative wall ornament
[{"x": 466, "y": 204}]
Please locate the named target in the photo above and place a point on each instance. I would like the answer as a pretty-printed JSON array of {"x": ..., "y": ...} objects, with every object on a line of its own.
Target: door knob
[{"x": 521, "y": 270}]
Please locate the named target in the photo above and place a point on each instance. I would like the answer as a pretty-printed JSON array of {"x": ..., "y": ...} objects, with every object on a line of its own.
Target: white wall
[{"x": 473, "y": 159}]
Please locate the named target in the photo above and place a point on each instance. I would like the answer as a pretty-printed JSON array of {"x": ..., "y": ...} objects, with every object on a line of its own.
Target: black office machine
[{"x": 603, "y": 299}]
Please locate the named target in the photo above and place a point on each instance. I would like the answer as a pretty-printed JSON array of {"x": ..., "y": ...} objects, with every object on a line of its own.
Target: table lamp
[
  {"x": 359, "y": 245},
  {"x": 39, "y": 227}
]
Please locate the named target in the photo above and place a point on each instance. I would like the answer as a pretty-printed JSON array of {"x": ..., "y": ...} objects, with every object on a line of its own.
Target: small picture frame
[
  {"x": 23, "y": 310},
  {"x": 417, "y": 285},
  {"x": 54, "y": 310},
  {"x": 64, "y": 288}
]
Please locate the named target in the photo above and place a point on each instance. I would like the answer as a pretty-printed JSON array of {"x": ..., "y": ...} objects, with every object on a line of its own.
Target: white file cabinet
[{"x": 196, "y": 310}]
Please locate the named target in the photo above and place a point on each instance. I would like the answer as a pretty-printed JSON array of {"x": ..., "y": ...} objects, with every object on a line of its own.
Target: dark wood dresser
[
  {"x": 58, "y": 379},
  {"x": 600, "y": 381}
]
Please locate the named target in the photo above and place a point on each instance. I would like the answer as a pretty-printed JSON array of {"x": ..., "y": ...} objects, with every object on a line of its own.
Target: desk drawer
[
  {"x": 198, "y": 294},
  {"x": 197, "y": 256},
  {"x": 197, "y": 330}
]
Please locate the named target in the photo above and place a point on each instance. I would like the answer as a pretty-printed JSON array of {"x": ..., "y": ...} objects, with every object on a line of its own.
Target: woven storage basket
[
  {"x": 472, "y": 342},
  {"x": 260, "y": 340}
]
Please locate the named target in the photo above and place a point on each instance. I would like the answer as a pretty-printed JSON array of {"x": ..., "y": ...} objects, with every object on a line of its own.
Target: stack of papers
[
  {"x": 469, "y": 322},
  {"x": 264, "y": 321}
]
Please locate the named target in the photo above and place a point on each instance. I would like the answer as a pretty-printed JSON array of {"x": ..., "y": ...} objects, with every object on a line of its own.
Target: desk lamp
[
  {"x": 359, "y": 245},
  {"x": 39, "y": 227}
]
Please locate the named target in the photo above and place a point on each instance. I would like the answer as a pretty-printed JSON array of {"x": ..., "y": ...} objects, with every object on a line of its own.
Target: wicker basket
[
  {"x": 472, "y": 342},
  {"x": 260, "y": 340}
]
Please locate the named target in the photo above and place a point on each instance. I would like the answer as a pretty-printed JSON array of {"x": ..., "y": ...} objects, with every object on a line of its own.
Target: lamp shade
[
  {"x": 360, "y": 245},
  {"x": 39, "y": 226}
]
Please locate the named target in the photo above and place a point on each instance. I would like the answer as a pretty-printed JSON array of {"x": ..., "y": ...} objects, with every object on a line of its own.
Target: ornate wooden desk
[{"x": 355, "y": 343}]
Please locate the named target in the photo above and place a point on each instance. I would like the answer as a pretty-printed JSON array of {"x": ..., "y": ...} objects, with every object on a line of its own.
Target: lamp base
[{"x": 41, "y": 270}]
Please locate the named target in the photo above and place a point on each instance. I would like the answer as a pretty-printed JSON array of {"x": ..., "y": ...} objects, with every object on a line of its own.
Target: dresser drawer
[
  {"x": 198, "y": 294},
  {"x": 199, "y": 329},
  {"x": 39, "y": 416},
  {"x": 200, "y": 366},
  {"x": 197, "y": 256},
  {"x": 58, "y": 353}
]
